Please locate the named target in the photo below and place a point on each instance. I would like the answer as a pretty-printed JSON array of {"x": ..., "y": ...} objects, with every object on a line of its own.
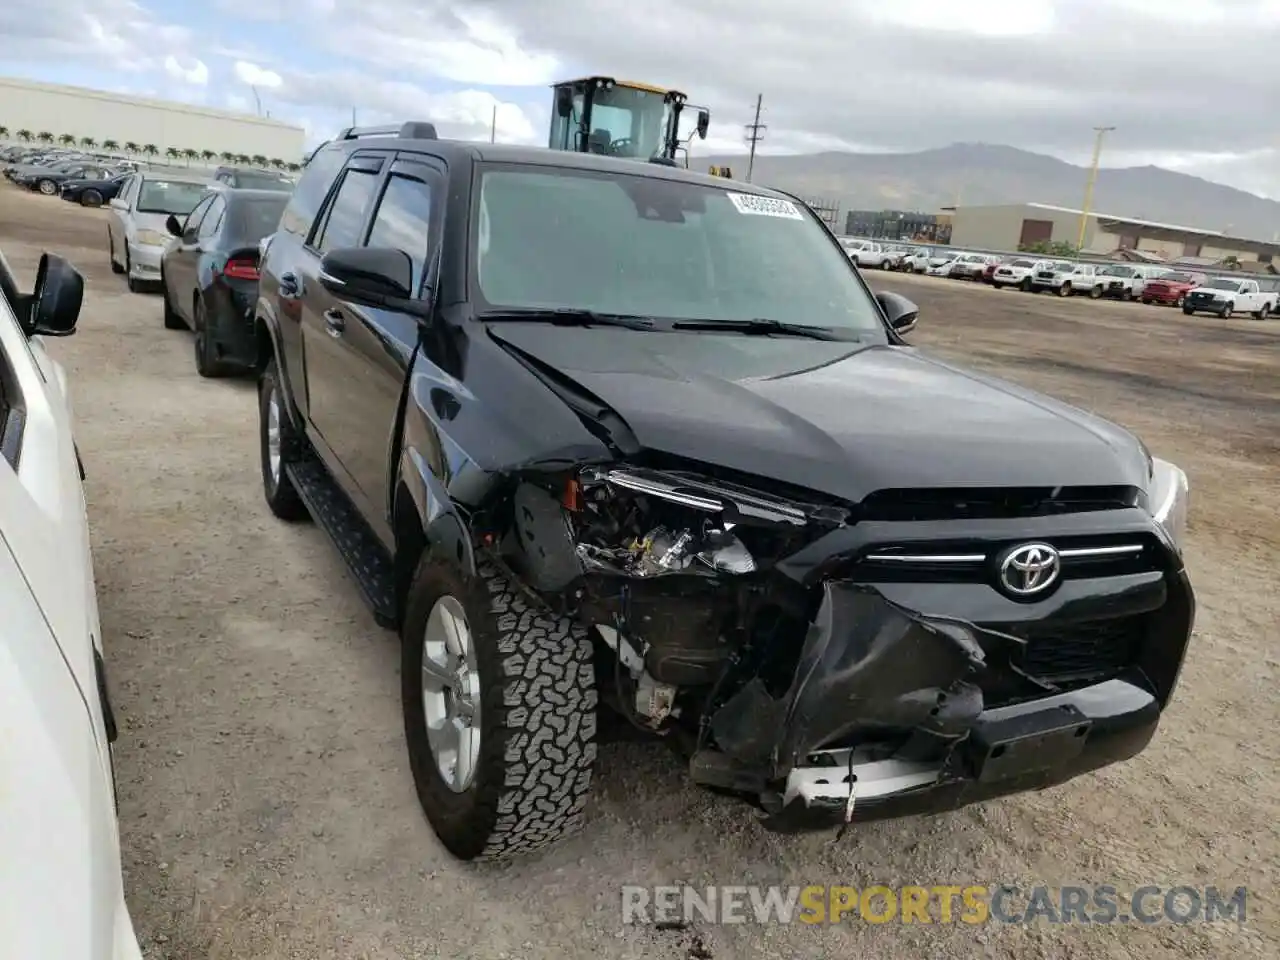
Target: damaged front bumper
[{"x": 886, "y": 717}]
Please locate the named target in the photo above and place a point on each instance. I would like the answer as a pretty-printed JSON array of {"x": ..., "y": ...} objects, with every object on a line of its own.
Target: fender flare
[
  {"x": 264, "y": 315},
  {"x": 444, "y": 531}
]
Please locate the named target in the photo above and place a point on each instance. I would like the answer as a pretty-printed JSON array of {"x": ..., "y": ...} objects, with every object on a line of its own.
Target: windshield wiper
[
  {"x": 568, "y": 317},
  {"x": 763, "y": 326}
]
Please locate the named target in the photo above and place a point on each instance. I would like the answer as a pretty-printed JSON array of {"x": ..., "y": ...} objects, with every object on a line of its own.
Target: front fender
[
  {"x": 265, "y": 319},
  {"x": 444, "y": 531}
]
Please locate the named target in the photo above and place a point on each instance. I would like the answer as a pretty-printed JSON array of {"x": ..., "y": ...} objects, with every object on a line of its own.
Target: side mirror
[
  {"x": 373, "y": 276},
  {"x": 173, "y": 225},
  {"x": 704, "y": 123},
  {"x": 117, "y": 203},
  {"x": 564, "y": 103},
  {"x": 55, "y": 302},
  {"x": 899, "y": 311}
]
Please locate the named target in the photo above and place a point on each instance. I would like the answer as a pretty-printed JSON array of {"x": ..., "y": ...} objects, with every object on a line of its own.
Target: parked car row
[{"x": 1148, "y": 283}]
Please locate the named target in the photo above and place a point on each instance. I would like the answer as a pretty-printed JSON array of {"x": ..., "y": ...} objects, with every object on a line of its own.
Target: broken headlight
[
  {"x": 1167, "y": 498},
  {"x": 647, "y": 523}
]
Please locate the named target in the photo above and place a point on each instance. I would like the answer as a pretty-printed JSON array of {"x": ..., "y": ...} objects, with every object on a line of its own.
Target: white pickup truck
[
  {"x": 1122, "y": 280},
  {"x": 865, "y": 253},
  {"x": 1226, "y": 295},
  {"x": 1067, "y": 279},
  {"x": 1017, "y": 273},
  {"x": 63, "y": 894}
]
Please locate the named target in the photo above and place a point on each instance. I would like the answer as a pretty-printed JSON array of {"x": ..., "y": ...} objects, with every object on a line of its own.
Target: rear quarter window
[{"x": 308, "y": 196}]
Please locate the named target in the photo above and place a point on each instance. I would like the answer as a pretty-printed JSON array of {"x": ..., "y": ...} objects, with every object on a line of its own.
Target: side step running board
[{"x": 364, "y": 554}]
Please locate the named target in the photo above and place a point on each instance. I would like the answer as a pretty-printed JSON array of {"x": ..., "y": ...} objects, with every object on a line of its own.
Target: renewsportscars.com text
[{"x": 941, "y": 904}]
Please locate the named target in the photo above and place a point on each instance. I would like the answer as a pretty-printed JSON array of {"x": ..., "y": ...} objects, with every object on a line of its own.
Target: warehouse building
[
  {"x": 1015, "y": 226},
  {"x": 47, "y": 108}
]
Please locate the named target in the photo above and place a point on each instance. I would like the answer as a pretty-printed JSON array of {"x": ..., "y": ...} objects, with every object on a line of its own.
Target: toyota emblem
[{"x": 1030, "y": 569}]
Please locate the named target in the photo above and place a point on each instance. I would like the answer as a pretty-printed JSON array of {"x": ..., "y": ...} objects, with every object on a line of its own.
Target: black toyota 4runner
[{"x": 599, "y": 433}]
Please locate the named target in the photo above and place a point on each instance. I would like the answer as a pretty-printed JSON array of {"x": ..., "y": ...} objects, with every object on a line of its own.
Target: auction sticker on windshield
[{"x": 765, "y": 206}]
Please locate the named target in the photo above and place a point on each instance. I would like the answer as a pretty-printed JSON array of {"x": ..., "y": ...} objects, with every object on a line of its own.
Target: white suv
[{"x": 60, "y": 848}]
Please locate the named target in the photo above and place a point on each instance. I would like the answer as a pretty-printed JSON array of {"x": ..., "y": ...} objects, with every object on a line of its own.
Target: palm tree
[
  {"x": 150, "y": 149},
  {"x": 172, "y": 153},
  {"x": 191, "y": 155},
  {"x": 131, "y": 147},
  {"x": 243, "y": 158},
  {"x": 66, "y": 138},
  {"x": 88, "y": 142},
  {"x": 277, "y": 163},
  {"x": 259, "y": 160},
  {"x": 4, "y": 133},
  {"x": 293, "y": 167},
  {"x": 24, "y": 136},
  {"x": 44, "y": 136},
  {"x": 207, "y": 155},
  {"x": 110, "y": 145}
]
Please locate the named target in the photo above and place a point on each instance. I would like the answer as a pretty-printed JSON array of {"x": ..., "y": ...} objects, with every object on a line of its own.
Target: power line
[{"x": 754, "y": 133}]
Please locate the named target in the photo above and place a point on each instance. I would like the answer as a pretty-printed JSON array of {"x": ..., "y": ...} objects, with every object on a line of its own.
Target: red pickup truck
[{"x": 1171, "y": 288}]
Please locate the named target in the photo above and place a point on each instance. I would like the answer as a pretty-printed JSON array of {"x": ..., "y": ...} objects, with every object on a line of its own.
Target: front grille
[
  {"x": 972, "y": 561},
  {"x": 1090, "y": 651},
  {"x": 1045, "y": 275}
]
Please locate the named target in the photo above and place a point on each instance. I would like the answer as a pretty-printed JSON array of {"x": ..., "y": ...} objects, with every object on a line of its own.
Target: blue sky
[{"x": 840, "y": 75}]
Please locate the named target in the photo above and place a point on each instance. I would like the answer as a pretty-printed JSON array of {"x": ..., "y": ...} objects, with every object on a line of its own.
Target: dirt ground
[{"x": 266, "y": 803}]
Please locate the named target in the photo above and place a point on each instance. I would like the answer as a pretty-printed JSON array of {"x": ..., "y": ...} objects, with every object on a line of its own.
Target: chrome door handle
[{"x": 335, "y": 322}]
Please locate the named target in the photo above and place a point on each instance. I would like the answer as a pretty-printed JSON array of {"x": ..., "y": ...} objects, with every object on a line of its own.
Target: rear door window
[{"x": 403, "y": 220}]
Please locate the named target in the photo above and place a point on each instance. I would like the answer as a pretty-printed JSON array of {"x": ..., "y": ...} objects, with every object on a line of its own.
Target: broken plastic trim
[
  {"x": 711, "y": 497},
  {"x": 868, "y": 667}
]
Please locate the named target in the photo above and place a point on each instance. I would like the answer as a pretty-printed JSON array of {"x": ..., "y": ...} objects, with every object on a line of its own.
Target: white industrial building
[
  {"x": 1017, "y": 226},
  {"x": 79, "y": 112}
]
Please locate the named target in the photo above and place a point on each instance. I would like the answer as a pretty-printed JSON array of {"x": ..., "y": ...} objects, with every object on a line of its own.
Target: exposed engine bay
[{"x": 770, "y": 683}]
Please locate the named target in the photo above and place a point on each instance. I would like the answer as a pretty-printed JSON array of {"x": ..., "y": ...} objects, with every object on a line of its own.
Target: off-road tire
[
  {"x": 1263, "y": 313},
  {"x": 538, "y": 717},
  {"x": 1095, "y": 293},
  {"x": 171, "y": 319},
  {"x": 1226, "y": 312},
  {"x": 1064, "y": 290},
  {"x": 281, "y": 497}
]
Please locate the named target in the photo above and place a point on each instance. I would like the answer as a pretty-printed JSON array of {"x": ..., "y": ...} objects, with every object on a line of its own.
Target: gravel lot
[{"x": 267, "y": 808}]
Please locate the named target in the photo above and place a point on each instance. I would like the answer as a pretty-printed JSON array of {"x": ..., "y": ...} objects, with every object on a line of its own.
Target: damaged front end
[{"x": 802, "y": 692}]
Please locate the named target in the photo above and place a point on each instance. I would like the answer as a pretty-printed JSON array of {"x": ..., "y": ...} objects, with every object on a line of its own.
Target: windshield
[
  {"x": 1116, "y": 272},
  {"x": 1023, "y": 263},
  {"x": 1221, "y": 284},
  {"x": 626, "y": 122},
  {"x": 650, "y": 247},
  {"x": 251, "y": 220},
  {"x": 253, "y": 180},
  {"x": 169, "y": 196}
]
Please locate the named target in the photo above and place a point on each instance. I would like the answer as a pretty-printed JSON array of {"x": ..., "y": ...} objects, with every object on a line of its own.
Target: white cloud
[
  {"x": 256, "y": 76},
  {"x": 195, "y": 73}
]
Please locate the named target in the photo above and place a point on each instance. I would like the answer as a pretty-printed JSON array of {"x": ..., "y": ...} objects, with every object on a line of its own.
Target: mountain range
[{"x": 979, "y": 173}]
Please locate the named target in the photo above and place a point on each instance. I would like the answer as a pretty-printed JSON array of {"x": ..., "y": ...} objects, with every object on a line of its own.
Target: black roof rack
[{"x": 411, "y": 130}]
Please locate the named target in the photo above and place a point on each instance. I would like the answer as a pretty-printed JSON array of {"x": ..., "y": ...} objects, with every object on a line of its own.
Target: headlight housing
[
  {"x": 1168, "y": 499},
  {"x": 151, "y": 238}
]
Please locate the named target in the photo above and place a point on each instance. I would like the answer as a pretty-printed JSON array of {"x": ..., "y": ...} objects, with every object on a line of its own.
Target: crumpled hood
[{"x": 842, "y": 419}]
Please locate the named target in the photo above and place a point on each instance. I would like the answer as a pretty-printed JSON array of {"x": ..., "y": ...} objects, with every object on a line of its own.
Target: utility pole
[
  {"x": 256, "y": 99},
  {"x": 1088, "y": 187},
  {"x": 755, "y": 133},
  {"x": 493, "y": 125}
]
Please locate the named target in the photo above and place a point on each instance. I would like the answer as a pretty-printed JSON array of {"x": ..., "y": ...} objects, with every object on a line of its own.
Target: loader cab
[{"x": 618, "y": 118}]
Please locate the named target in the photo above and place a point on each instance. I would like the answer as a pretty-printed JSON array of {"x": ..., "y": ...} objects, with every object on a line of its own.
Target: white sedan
[{"x": 59, "y": 845}]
